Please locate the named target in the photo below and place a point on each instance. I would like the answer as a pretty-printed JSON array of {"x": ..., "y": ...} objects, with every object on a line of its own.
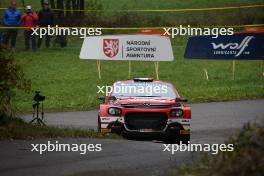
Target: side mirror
[
  {"x": 112, "y": 98},
  {"x": 102, "y": 99},
  {"x": 181, "y": 100}
]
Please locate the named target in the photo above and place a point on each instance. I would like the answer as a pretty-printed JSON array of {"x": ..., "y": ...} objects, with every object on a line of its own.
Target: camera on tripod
[{"x": 37, "y": 99}]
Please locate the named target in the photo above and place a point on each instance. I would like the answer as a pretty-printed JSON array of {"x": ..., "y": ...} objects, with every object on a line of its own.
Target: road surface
[{"x": 211, "y": 123}]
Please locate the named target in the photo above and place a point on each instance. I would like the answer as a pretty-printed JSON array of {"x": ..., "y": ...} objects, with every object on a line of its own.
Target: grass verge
[
  {"x": 246, "y": 159},
  {"x": 18, "y": 129},
  {"x": 71, "y": 84}
]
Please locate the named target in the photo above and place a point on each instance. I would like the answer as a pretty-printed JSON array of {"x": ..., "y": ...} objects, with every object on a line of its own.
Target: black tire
[
  {"x": 126, "y": 135},
  {"x": 177, "y": 138},
  {"x": 185, "y": 139},
  {"x": 172, "y": 139},
  {"x": 99, "y": 126}
]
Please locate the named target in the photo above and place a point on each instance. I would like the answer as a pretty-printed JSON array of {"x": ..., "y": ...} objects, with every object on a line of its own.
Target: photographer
[{"x": 29, "y": 19}]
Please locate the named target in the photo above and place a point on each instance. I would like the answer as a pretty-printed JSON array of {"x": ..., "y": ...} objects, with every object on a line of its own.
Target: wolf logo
[{"x": 234, "y": 46}]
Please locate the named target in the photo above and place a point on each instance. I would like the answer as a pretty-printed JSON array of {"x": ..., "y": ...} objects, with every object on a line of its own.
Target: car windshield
[{"x": 143, "y": 89}]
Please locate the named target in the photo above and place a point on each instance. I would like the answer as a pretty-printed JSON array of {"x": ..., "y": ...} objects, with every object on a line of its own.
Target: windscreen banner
[
  {"x": 243, "y": 46},
  {"x": 127, "y": 47}
]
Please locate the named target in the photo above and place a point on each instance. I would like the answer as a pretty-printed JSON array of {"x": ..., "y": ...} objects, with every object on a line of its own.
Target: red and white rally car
[{"x": 143, "y": 105}]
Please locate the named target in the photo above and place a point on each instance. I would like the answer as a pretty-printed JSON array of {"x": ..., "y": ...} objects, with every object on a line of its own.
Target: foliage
[
  {"x": 247, "y": 159},
  {"x": 94, "y": 13},
  {"x": 11, "y": 77},
  {"x": 71, "y": 12},
  {"x": 112, "y": 13}
]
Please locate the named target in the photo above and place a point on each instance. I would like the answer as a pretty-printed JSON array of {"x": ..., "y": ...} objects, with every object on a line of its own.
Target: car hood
[{"x": 144, "y": 100}]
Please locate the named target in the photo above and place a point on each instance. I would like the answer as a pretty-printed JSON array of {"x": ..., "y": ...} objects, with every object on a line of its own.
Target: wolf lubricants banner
[
  {"x": 127, "y": 47},
  {"x": 244, "y": 46}
]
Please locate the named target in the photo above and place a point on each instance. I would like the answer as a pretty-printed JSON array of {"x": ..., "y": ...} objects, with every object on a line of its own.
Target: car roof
[{"x": 131, "y": 81}]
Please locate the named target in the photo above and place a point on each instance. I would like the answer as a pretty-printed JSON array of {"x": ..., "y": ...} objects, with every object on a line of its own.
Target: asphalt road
[{"x": 211, "y": 123}]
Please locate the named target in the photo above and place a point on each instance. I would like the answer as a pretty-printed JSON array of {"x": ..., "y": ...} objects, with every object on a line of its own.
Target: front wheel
[
  {"x": 177, "y": 138},
  {"x": 99, "y": 126},
  {"x": 184, "y": 138}
]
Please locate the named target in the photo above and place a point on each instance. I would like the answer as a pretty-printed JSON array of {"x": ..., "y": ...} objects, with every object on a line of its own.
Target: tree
[
  {"x": 11, "y": 77},
  {"x": 68, "y": 11},
  {"x": 72, "y": 12},
  {"x": 23, "y": 3}
]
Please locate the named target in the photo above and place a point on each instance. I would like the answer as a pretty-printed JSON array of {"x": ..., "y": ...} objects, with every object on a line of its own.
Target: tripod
[{"x": 37, "y": 119}]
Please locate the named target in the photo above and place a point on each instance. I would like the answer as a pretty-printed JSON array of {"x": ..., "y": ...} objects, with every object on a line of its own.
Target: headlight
[
  {"x": 177, "y": 113},
  {"x": 114, "y": 111}
]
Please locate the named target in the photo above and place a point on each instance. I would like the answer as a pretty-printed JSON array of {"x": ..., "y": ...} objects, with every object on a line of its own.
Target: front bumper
[{"x": 118, "y": 125}]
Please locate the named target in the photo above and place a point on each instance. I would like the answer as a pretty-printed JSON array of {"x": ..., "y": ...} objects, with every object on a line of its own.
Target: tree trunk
[
  {"x": 68, "y": 8},
  {"x": 60, "y": 6},
  {"x": 74, "y": 7},
  {"x": 52, "y": 4},
  {"x": 68, "y": 11},
  {"x": 82, "y": 4},
  {"x": 23, "y": 3}
]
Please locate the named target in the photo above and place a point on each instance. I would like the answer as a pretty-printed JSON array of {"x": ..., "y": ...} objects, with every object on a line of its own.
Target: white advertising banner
[{"x": 127, "y": 47}]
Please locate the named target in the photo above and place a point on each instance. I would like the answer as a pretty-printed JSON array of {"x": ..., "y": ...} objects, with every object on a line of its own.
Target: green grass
[
  {"x": 172, "y": 4},
  {"x": 196, "y": 18},
  {"x": 18, "y": 129},
  {"x": 200, "y": 18},
  {"x": 71, "y": 84},
  {"x": 154, "y": 4}
]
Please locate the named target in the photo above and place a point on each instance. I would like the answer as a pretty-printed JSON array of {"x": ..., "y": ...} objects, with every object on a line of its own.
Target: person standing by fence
[
  {"x": 46, "y": 18},
  {"x": 29, "y": 19},
  {"x": 12, "y": 20}
]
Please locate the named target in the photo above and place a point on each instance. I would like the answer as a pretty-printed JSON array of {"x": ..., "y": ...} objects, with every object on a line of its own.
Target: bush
[
  {"x": 11, "y": 77},
  {"x": 247, "y": 159}
]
